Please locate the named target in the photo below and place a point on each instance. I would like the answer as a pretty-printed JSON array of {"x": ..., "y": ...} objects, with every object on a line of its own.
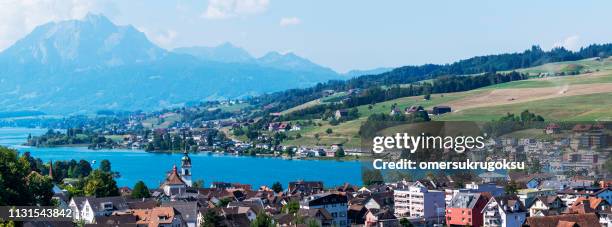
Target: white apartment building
[{"x": 416, "y": 201}]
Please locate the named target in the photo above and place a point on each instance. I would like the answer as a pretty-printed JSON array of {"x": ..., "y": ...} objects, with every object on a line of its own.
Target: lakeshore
[{"x": 134, "y": 165}]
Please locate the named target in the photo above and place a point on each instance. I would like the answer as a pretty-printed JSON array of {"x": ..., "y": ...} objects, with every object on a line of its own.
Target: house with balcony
[
  {"x": 504, "y": 211},
  {"x": 416, "y": 201},
  {"x": 465, "y": 209}
]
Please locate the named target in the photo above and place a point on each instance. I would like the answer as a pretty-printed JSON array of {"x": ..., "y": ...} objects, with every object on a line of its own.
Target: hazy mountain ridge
[
  {"x": 229, "y": 53},
  {"x": 91, "y": 64}
]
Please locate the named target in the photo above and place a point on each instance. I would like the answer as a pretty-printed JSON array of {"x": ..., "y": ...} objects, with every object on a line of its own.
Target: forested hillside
[{"x": 409, "y": 74}]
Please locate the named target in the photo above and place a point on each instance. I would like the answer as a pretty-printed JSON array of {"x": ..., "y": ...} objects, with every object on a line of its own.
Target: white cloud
[
  {"x": 288, "y": 21},
  {"x": 163, "y": 38},
  {"x": 223, "y": 9},
  {"x": 570, "y": 43},
  {"x": 19, "y": 17}
]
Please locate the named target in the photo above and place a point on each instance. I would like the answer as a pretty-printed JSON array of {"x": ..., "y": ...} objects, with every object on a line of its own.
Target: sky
[{"x": 341, "y": 34}]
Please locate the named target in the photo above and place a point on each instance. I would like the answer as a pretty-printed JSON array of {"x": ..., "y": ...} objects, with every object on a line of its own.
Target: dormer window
[{"x": 107, "y": 206}]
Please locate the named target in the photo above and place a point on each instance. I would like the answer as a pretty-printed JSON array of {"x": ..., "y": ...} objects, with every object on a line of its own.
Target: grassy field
[
  {"x": 573, "y": 108},
  {"x": 233, "y": 107},
  {"x": 155, "y": 122},
  {"x": 591, "y": 78},
  {"x": 586, "y": 107},
  {"x": 346, "y": 133},
  {"x": 582, "y": 65}
]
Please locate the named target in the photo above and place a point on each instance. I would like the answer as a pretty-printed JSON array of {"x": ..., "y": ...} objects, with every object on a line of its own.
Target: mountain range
[{"x": 81, "y": 66}]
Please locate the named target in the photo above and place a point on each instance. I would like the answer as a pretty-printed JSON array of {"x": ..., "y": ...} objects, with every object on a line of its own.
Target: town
[
  {"x": 561, "y": 188},
  {"x": 529, "y": 200}
]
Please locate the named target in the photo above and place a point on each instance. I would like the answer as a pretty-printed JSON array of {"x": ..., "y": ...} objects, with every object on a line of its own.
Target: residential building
[
  {"x": 546, "y": 206},
  {"x": 334, "y": 204},
  {"x": 305, "y": 187},
  {"x": 187, "y": 210},
  {"x": 379, "y": 200},
  {"x": 527, "y": 196},
  {"x": 552, "y": 128},
  {"x": 341, "y": 113},
  {"x": 413, "y": 109},
  {"x": 418, "y": 201},
  {"x": 158, "y": 217},
  {"x": 588, "y": 205},
  {"x": 466, "y": 209},
  {"x": 88, "y": 208},
  {"x": 381, "y": 218},
  {"x": 491, "y": 177},
  {"x": 504, "y": 211}
]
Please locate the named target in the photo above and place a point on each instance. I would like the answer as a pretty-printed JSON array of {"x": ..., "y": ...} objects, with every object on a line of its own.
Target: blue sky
[{"x": 340, "y": 34}]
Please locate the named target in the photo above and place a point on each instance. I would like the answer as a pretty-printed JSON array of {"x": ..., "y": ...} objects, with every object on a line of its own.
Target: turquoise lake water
[{"x": 151, "y": 168}]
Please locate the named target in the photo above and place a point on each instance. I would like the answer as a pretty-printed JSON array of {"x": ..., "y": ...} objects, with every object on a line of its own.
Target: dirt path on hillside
[{"x": 519, "y": 95}]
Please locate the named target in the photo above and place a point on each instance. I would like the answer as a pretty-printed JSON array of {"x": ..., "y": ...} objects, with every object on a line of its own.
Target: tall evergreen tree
[{"x": 140, "y": 190}]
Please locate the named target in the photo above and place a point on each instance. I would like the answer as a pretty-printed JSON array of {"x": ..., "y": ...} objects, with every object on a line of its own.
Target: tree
[
  {"x": 224, "y": 201},
  {"x": 313, "y": 223},
  {"x": 83, "y": 169},
  {"x": 570, "y": 173},
  {"x": 339, "y": 153},
  {"x": 13, "y": 170},
  {"x": 198, "y": 183},
  {"x": 40, "y": 187},
  {"x": 292, "y": 207},
  {"x": 371, "y": 176},
  {"x": 277, "y": 187},
  {"x": 333, "y": 121},
  {"x": 511, "y": 188},
  {"x": 397, "y": 175},
  {"x": 404, "y": 222},
  {"x": 140, "y": 191},
  {"x": 100, "y": 184},
  {"x": 262, "y": 220},
  {"x": 535, "y": 166},
  {"x": 328, "y": 131},
  {"x": 211, "y": 219},
  {"x": 105, "y": 166}
]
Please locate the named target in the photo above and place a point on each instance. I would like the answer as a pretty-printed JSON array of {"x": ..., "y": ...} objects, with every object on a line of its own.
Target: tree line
[
  {"x": 534, "y": 56},
  {"x": 378, "y": 94}
]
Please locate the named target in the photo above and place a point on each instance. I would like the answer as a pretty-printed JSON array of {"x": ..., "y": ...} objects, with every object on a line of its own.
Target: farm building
[{"x": 437, "y": 110}]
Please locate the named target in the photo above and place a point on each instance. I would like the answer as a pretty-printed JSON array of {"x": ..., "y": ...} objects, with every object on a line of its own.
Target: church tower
[{"x": 186, "y": 168}]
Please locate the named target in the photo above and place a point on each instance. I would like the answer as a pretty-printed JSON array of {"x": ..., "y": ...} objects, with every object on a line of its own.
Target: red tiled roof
[
  {"x": 579, "y": 207},
  {"x": 583, "y": 220},
  {"x": 173, "y": 178},
  {"x": 582, "y": 128}
]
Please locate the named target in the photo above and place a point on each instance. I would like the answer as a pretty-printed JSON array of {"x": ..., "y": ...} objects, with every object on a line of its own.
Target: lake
[{"x": 134, "y": 165}]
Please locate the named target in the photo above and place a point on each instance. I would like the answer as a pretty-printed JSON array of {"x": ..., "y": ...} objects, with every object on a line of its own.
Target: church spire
[{"x": 51, "y": 169}]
